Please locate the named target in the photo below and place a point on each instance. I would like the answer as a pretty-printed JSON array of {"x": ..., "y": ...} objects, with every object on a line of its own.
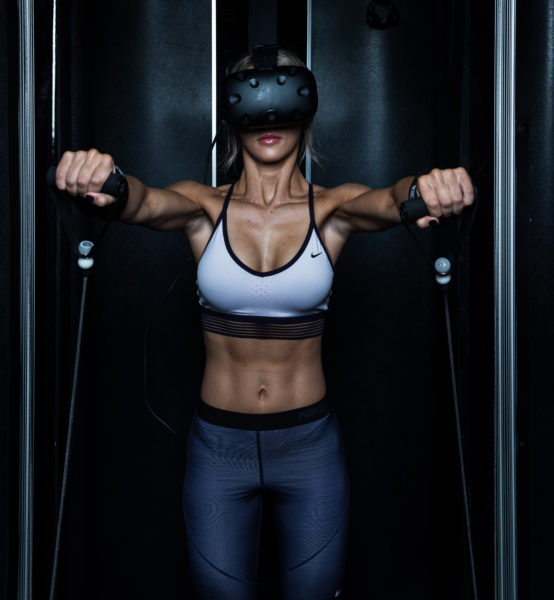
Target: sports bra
[{"x": 285, "y": 303}]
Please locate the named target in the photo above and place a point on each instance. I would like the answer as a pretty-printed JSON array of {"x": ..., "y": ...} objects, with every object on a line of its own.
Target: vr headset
[{"x": 268, "y": 95}]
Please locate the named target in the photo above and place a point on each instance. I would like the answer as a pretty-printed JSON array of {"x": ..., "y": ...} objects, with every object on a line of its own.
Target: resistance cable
[
  {"x": 116, "y": 185},
  {"x": 442, "y": 269}
]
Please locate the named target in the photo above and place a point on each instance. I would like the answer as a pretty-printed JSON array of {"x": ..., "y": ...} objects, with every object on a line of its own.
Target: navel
[{"x": 262, "y": 391}]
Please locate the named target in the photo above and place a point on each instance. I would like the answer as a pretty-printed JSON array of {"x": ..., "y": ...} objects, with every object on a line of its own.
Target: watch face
[{"x": 414, "y": 192}]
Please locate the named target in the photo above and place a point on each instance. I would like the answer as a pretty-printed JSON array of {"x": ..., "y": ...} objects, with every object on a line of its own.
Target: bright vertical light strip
[
  {"x": 214, "y": 91},
  {"x": 27, "y": 294},
  {"x": 54, "y": 67},
  {"x": 505, "y": 313},
  {"x": 309, "y": 65}
]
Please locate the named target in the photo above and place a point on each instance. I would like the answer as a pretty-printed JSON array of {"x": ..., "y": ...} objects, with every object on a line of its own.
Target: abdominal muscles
[{"x": 252, "y": 375}]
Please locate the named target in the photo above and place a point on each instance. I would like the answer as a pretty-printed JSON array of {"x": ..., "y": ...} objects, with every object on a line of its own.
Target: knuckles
[
  {"x": 462, "y": 172},
  {"x": 98, "y": 180},
  {"x": 79, "y": 170},
  {"x": 446, "y": 191}
]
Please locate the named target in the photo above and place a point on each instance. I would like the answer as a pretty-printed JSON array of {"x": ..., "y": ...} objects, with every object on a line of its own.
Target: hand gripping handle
[
  {"x": 414, "y": 208},
  {"x": 115, "y": 185}
]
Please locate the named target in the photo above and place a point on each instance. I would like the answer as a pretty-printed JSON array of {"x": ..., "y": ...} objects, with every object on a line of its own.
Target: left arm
[{"x": 445, "y": 192}]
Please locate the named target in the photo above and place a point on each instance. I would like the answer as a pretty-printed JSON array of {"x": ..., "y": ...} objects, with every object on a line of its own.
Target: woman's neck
[{"x": 271, "y": 183}]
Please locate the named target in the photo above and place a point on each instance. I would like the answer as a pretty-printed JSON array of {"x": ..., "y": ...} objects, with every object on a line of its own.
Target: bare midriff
[{"x": 262, "y": 376}]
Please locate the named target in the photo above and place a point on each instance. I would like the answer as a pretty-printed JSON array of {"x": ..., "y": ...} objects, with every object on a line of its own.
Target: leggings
[{"x": 297, "y": 458}]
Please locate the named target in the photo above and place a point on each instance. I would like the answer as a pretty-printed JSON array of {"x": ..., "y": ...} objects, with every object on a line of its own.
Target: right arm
[{"x": 176, "y": 207}]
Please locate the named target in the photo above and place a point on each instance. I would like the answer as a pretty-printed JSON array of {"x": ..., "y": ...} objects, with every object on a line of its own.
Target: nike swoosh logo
[{"x": 314, "y": 255}]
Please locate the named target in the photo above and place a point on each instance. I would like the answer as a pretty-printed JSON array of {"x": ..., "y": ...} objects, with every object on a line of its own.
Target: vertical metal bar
[
  {"x": 214, "y": 91},
  {"x": 505, "y": 318},
  {"x": 309, "y": 65},
  {"x": 54, "y": 78},
  {"x": 27, "y": 292}
]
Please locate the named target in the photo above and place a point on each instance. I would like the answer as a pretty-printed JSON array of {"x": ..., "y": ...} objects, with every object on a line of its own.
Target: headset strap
[
  {"x": 262, "y": 22},
  {"x": 265, "y": 56}
]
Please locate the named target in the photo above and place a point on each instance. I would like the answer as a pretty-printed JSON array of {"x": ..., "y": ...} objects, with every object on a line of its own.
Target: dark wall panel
[
  {"x": 141, "y": 91},
  {"x": 535, "y": 264},
  {"x": 390, "y": 106}
]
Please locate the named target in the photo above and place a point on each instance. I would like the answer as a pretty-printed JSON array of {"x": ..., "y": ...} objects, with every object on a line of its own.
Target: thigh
[
  {"x": 311, "y": 505},
  {"x": 222, "y": 509}
]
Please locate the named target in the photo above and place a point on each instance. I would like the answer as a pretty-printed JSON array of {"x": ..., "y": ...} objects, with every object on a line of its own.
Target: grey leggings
[{"x": 302, "y": 468}]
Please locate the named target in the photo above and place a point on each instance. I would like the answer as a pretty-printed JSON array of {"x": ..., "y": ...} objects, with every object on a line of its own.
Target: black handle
[
  {"x": 412, "y": 210},
  {"x": 115, "y": 185}
]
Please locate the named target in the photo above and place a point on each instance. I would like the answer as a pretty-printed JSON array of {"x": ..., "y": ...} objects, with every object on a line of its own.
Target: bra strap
[{"x": 225, "y": 205}]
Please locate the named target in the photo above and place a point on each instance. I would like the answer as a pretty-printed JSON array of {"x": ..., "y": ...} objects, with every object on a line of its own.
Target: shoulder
[
  {"x": 198, "y": 191},
  {"x": 333, "y": 198},
  {"x": 342, "y": 192},
  {"x": 204, "y": 195},
  {"x": 208, "y": 200}
]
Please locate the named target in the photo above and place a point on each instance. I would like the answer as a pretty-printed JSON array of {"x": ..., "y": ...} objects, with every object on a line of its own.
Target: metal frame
[
  {"x": 309, "y": 65},
  {"x": 505, "y": 321},
  {"x": 505, "y": 307},
  {"x": 214, "y": 91},
  {"x": 27, "y": 293}
]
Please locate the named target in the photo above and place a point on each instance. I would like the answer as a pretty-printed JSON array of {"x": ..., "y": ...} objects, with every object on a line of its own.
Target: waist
[{"x": 263, "y": 421}]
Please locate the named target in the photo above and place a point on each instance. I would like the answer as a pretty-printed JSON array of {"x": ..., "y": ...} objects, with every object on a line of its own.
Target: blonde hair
[{"x": 231, "y": 156}]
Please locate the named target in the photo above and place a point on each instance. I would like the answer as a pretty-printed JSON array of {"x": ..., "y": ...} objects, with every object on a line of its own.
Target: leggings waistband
[{"x": 264, "y": 421}]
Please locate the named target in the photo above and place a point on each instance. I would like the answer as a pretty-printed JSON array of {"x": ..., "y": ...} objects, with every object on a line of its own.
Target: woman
[{"x": 265, "y": 248}]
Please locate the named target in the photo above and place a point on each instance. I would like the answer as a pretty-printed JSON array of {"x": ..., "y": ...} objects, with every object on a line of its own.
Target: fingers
[
  {"x": 100, "y": 199},
  {"x": 445, "y": 192},
  {"x": 464, "y": 181},
  {"x": 425, "y": 222},
  {"x": 83, "y": 173}
]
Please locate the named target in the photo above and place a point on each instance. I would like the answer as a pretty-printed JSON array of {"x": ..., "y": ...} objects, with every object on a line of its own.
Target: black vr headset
[{"x": 267, "y": 94}]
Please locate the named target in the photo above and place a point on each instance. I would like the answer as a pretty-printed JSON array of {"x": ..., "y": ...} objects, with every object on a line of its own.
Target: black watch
[{"x": 414, "y": 192}]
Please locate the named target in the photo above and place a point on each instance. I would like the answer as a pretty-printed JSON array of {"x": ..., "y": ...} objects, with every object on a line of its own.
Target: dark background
[{"x": 134, "y": 80}]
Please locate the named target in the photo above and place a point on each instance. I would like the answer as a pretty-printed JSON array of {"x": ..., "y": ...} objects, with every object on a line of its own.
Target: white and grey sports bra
[{"x": 285, "y": 303}]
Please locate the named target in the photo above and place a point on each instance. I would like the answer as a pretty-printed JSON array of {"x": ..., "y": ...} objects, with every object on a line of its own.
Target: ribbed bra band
[{"x": 265, "y": 328}]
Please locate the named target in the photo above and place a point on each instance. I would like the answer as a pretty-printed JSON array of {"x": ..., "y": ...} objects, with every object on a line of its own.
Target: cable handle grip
[
  {"x": 413, "y": 209},
  {"x": 116, "y": 184}
]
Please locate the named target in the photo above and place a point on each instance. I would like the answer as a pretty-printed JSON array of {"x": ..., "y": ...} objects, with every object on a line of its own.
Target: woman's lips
[{"x": 269, "y": 138}]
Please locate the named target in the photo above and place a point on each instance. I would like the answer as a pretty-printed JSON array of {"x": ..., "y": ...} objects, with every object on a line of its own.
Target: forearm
[{"x": 135, "y": 210}]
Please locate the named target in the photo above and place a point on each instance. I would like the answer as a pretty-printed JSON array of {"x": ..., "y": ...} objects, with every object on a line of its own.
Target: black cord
[
  {"x": 462, "y": 241},
  {"x": 64, "y": 212},
  {"x": 460, "y": 439},
  {"x": 68, "y": 439},
  {"x": 421, "y": 249}
]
